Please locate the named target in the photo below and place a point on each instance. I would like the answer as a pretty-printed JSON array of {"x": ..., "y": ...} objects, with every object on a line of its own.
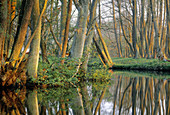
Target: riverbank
[{"x": 140, "y": 64}]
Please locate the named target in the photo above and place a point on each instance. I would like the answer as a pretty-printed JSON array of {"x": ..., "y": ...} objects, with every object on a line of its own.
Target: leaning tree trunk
[
  {"x": 3, "y": 27},
  {"x": 90, "y": 35},
  {"x": 21, "y": 31},
  {"x": 35, "y": 44}
]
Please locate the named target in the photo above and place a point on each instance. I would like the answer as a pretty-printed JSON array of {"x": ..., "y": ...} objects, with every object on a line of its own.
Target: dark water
[{"x": 126, "y": 93}]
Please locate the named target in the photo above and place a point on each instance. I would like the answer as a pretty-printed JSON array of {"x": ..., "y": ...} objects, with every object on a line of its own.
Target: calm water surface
[{"x": 126, "y": 93}]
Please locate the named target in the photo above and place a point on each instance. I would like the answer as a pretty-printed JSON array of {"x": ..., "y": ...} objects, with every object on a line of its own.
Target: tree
[
  {"x": 21, "y": 30},
  {"x": 115, "y": 30},
  {"x": 3, "y": 27},
  {"x": 134, "y": 29},
  {"x": 33, "y": 58}
]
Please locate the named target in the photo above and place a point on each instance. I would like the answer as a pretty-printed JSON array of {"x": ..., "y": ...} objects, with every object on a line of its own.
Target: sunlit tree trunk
[
  {"x": 11, "y": 16},
  {"x": 105, "y": 49},
  {"x": 3, "y": 26},
  {"x": 24, "y": 20},
  {"x": 63, "y": 21},
  {"x": 33, "y": 58},
  {"x": 66, "y": 30}
]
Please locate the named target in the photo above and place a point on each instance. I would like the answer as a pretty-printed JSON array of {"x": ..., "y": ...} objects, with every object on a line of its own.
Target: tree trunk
[
  {"x": 79, "y": 38},
  {"x": 168, "y": 28},
  {"x": 122, "y": 27},
  {"x": 78, "y": 43},
  {"x": 21, "y": 31},
  {"x": 35, "y": 44},
  {"x": 134, "y": 29},
  {"x": 43, "y": 44},
  {"x": 3, "y": 27},
  {"x": 142, "y": 26},
  {"x": 115, "y": 29},
  {"x": 106, "y": 52},
  {"x": 154, "y": 19},
  {"x": 63, "y": 22},
  {"x": 66, "y": 30},
  {"x": 90, "y": 35}
]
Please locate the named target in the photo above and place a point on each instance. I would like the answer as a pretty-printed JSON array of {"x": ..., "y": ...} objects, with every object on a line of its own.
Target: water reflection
[
  {"x": 122, "y": 95},
  {"x": 11, "y": 102}
]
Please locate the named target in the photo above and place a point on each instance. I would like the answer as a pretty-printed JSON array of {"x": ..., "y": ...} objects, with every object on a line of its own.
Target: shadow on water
[{"x": 127, "y": 93}]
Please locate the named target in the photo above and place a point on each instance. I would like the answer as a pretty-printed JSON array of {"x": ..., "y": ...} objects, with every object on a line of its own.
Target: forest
[{"x": 58, "y": 43}]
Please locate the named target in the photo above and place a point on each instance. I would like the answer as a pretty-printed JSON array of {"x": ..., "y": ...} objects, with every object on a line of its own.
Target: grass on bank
[
  {"x": 149, "y": 74},
  {"x": 141, "y": 64}
]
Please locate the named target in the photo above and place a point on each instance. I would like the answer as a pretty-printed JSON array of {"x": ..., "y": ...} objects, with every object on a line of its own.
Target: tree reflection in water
[{"x": 120, "y": 96}]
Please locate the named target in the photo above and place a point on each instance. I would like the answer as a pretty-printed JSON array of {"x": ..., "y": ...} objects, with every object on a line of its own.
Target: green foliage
[
  {"x": 101, "y": 74},
  {"x": 57, "y": 73}
]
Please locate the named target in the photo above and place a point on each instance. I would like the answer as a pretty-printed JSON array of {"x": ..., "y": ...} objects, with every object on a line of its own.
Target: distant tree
[{"x": 134, "y": 29}]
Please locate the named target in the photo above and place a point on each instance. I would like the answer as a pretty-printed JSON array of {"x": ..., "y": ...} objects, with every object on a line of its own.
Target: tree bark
[
  {"x": 35, "y": 44},
  {"x": 66, "y": 30},
  {"x": 134, "y": 29},
  {"x": 142, "y": 26},
  {"x": 115, "y": 30},
  {"x": 168, "y": 28},
  {"x": 3, "y": 27},
  {"x": 21, "y": 31},
  {"x": 154, "y": 19},
  {"x": 63, "y": 22},
  {"x": 89, "y": 35},
  {"x": 79, "y": 38}
]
